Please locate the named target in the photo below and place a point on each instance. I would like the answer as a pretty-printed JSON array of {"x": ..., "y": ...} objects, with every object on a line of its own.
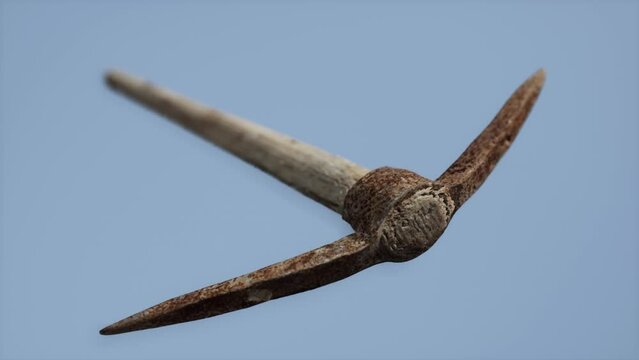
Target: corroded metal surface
[
  {"x": 401, "y": 212},
  {"x": 474, "y": 165},
  {"x": 307, "y": 271},
  {"x": 372, "y": 197},
  {"x": 396, "y": 214}
]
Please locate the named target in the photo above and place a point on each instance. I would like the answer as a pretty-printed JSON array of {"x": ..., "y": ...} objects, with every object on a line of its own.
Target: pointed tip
[
  {"x": 531, "y": 88},
  {"x": 526, "y": 94},
  {"x": 472, "y": 168},
  {"x": 542, "y": 72},
  {"x": 132, "y": 323},
  {"x": 114, "y": 329},
  {"x": 538, "y": 78}
]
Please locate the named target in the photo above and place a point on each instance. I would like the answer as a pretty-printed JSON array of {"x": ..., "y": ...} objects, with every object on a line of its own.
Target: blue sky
[{"x": 108, "y": 208}]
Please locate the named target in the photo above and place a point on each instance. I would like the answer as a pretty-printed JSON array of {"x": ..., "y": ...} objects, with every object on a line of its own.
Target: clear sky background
[{"x": 108, "y": 208}]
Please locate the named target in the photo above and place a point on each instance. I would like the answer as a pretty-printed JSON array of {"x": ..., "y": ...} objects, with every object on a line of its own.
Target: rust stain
[{"x": 474, "y": 165}]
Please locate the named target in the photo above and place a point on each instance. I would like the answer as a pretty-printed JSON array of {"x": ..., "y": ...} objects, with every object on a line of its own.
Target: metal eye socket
[{"x": 413, "y": 225}]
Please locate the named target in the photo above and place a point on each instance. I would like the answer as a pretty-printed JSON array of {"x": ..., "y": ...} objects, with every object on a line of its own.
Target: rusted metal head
[
  {"x": 396, "y": 214},
  {"x": 399, "y": 211}
]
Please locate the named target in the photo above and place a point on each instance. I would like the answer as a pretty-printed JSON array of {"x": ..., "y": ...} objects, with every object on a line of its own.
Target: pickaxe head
[{"x": 396, "y": 214}]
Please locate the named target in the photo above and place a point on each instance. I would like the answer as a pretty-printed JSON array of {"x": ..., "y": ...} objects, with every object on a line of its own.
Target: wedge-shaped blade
[
  {"x": 474, "y": 165},
  {"x": 307, "y": 271}
]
